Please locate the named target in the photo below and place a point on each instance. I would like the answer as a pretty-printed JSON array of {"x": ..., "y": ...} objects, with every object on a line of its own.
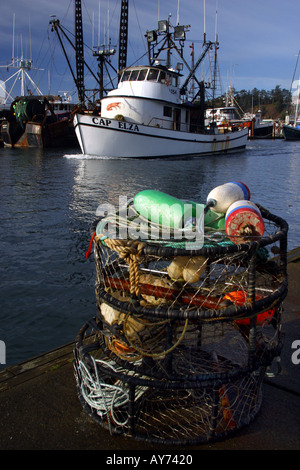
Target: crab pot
[{"x": 183, "y": 338}]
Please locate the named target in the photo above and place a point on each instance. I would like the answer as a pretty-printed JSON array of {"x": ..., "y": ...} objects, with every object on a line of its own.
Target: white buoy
[
  {"x": 221, "y": 197},
  {"x": 244, "y": 222}
]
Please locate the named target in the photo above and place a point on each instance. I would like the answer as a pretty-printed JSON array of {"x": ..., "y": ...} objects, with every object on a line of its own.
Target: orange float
[{"x": 239, "y": 297}]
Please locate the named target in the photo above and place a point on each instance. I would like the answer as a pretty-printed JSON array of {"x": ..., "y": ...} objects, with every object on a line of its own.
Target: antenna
[
  {"x": 99, "y": 24},
  {"x": 30, "y": 50},
  {"x": 108, "y": 42},
  {"x": 204, "y": 25},
  {"x": 178, "y": 13},
  {"x": 93, "y": 29},
  {"x": 216, "y": 26},
  {"x": 13, "y": 41}
]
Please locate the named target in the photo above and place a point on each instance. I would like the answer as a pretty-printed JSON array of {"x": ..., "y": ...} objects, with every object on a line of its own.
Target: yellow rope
[{"x": 131, "y": 252}]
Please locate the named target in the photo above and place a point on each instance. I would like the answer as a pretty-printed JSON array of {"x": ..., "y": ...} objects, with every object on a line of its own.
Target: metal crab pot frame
[
  {"x": 177, "y": 362},
  {"x": 175, "y": 412}
]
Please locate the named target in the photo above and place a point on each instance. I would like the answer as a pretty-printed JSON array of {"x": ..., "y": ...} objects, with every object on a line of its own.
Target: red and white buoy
[{"x": 244, "y": 222}]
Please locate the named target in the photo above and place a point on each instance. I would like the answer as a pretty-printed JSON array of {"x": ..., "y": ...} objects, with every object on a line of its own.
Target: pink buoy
[{"x": 244, "y": 222}]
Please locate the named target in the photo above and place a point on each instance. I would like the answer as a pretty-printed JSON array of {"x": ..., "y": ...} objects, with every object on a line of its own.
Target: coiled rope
[{"x": 105, "y": 398}]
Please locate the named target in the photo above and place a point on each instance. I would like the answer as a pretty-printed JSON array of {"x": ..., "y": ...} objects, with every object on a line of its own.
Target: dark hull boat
[
  {"x": 32, "y": 122},
  {"x": 291, "y": 132},
  {"x": 262, "y": 131}
]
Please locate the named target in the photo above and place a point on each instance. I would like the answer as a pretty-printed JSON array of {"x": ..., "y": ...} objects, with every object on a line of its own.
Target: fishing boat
[
  {"x": 30, "y": 118},
  {"x": 291, "y": 129},
  {"x": 226, "y": 117},
  {"x": 262, "y": 129},
  {"x": 291, "y": 132},
  {"x": 231, "y": 116},
  {"x": 148, "y": 114},
  {"x": 38, "y": 121}
]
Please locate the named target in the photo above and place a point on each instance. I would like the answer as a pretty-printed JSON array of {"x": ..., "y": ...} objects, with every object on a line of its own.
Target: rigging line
[
  {"x": 110, "y": 21},
  {"x": 51, "y": 62},
  {"x": 59, "y": 86},
  {"x": 64, "y": 29},
  {"x": 67, "y": 12},
  {"x": 141, "y": 32},
  {"x": 54, "y": 63},
  {"x": 137, "y": 60},
  {"x": 295, "y": 73},
  {"x": 141, "y": 57},
  {"x": 69, "y": 41},
  {"x": 41, "y": 47},
  {"x": 87, "y": 12}
]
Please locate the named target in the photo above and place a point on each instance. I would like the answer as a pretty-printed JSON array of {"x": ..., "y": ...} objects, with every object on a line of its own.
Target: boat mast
[
  {"x": 22, "y": 65},
  {"x": 170, "y": 41},
  {"x": 289, "y": 105},
  {"x": 79, "y": 51},
  {"x": 297, "y": 105},
  {"x": 123, "y": 36},
  {"x": 102, "y": 53},
  {"x": 215, "y": 55}
]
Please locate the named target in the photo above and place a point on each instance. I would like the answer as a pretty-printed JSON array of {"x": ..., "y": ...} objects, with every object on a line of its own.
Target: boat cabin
[
  {"x": 221, "y": 115},
  {"x": 148, "y": 95}
]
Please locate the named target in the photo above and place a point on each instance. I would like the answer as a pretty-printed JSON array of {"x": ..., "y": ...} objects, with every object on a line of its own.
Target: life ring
[{"x": 119, "y": 117}]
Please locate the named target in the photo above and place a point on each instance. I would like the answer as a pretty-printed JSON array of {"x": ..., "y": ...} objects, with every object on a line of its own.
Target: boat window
[
  {"x": 172, "y": 80},
  {"x": 142, "y": 74},
  {"x": 167, "y": 111},
  {"x": 162, "y": 77},
  {"x": 153, "y": 74},
  {"x": 125, "y": 75},
  {"x": 134, "y": 74}
]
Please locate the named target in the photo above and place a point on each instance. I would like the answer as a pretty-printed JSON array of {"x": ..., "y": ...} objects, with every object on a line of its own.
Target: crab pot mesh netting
[{"x": 182, "y": 339}]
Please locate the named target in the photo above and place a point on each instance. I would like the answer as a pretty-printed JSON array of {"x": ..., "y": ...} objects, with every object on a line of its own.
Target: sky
[{"x": 259, "y": 40}]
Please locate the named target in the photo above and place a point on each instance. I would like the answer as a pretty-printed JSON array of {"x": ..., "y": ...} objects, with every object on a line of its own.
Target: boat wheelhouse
[{"x": 149, "y": 96}]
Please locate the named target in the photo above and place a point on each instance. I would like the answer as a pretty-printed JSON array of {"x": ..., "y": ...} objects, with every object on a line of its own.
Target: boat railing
[
  {"x": 169, "y": 124},
  {"x": 163, "y": 123},
  {"x": 180, "y": 126}
]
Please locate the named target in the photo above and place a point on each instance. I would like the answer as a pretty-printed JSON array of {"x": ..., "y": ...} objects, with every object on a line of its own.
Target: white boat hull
[{"x": 104, "y": 137}]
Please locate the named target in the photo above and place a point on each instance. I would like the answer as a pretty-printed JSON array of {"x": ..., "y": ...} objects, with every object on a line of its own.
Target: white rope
[{"x": 105, "y": 398}]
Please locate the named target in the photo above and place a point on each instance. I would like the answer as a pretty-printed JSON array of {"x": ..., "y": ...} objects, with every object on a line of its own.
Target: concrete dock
[{"x": 40, "y": 409}]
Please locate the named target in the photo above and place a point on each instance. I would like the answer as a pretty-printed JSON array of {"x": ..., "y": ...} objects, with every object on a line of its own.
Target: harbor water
[{"x": 49, "y": 200}]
